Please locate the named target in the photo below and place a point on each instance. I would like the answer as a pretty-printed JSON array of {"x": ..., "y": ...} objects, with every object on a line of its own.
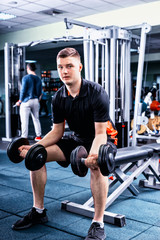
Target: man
[
  {"x": 85, "y": 106},
  {"x": 28, "y": 102}
]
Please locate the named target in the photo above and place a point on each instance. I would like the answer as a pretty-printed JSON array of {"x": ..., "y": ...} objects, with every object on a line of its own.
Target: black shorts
[{"x": 67, "y": 144}]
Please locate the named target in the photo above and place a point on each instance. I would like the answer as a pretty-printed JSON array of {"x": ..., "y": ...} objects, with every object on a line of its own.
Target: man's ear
[{"x": 80, "y": 67}]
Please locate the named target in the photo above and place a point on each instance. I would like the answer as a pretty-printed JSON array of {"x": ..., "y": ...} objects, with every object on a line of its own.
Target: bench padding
[{"x": 132, "y": 154}]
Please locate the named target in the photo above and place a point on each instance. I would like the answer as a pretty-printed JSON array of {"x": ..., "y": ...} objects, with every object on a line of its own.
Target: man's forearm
[
  {"x": 51, "y": 138},
  {"x": 97, "y": 142}
]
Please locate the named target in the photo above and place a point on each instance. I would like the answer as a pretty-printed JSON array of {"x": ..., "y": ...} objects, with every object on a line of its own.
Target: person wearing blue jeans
[{"x": 28, "y": 102}]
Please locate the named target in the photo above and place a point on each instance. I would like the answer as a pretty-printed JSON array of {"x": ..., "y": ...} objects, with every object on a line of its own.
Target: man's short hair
[
  {"x": 68, "y": 52},
  {"x": 31, "y": 66}
]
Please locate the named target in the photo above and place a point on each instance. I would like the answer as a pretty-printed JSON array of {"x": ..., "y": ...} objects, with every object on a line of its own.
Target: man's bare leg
[
  {"x": 99, "y": 188},
  {"x": 39, "y": 178}
]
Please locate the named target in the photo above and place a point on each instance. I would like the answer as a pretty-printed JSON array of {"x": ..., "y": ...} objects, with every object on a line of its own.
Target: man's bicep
[{"x": 58, "y": 128}]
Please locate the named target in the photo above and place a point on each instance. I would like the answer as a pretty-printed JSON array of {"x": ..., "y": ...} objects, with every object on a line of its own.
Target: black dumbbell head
[
  {"x": 12, "y": 149},
  {"x": 78, "y": 167},
  {"x": 36, "y": 157},
  {"x": 106, "y": 159}
]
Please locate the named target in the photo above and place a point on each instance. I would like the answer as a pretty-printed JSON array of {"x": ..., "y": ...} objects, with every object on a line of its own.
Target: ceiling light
[
  {"x": 53, "y": 12},
  {"x": 6, "y": 16},
  {"x": 30, "y": 61}
]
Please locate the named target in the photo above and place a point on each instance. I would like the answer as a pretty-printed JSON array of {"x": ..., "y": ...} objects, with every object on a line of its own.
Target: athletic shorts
[{"x": 67, "y": 144}]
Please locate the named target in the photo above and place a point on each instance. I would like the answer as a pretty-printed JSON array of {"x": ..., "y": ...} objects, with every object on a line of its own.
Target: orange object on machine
[
  {"x": 111, "y": 178},
  {"x": 155, "y": 106},
  {"x": 112, "y": 132}
]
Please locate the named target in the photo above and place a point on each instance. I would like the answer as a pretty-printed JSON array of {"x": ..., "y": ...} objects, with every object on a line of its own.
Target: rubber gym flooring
[{"x": 142, "y": 212}]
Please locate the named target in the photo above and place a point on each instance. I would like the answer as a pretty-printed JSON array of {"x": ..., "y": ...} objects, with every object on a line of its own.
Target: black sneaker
[
  {"x": 33, "y": 217},
  {"x": 95, "y": 232}
]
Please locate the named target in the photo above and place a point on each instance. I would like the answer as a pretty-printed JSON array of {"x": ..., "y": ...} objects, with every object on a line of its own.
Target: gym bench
[{"x": 135, "y": 161}]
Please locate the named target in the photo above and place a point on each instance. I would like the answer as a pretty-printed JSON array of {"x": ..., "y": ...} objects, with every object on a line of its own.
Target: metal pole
[
  {"x": 128, "y": 95},
  {"x": 107, "y": 72},
  {"x": 145, "y": 29},
  {"x": 91, "y": 62},
  {"x": 70, "y": 22},
  {"x": 7, "y": 93},
  {"x": 102, "y": 66},
  {"x": 116, "y": 89},
  {"x": 12, "y": 69},
  {"x": 97, "y": 62},
  {"x": 122, "y": 75},
  {"x": 112, "y": 74},
  {"x": 86, "y": 54}
]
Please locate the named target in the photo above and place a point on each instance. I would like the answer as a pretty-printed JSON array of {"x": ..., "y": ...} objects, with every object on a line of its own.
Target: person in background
[{"x": 28, "y": 102}]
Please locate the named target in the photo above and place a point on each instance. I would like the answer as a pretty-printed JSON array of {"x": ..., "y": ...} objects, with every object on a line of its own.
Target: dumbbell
[
  {"x": 35, "y": 157},
  {"x": 105, "y": 161}
]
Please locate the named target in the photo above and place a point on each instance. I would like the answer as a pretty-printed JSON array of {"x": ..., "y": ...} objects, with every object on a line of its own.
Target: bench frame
[{"x": 148, "y": 167}]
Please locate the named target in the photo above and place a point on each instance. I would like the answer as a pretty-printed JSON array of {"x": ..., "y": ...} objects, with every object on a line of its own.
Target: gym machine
[
  {"x": 14, "y": 57},
  {"x": 107, "y": 53}
]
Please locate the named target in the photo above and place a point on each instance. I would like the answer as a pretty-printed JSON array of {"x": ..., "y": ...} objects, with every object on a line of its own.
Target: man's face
[{"x": 69, "y": 69}]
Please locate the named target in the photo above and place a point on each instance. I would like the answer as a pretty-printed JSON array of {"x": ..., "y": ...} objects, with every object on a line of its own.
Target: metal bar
[
  {"x": 12, "y": 69},
  {"x": 145, "y": 29},
  {"x": 97, "y": 62},
  {"x": 122, "y": 79},
  {"x": 113, "y": 218},
  {"x": 117, "y": 85},
  {"x": 126, "y": 183},
  {"x": 137, "y": 26},
  {"x": 145, "y": 183},
  {"x": 7, "y": 93},
  {"x": 102, "y": 66},
  {"x": 86, "y": 54},
  {"x": 91, "y": 62},
  {"x": 107, "y": 66},
  {"x": 155, "y": 172},
  {"x": 89, "y": 203},
  {"x": 70, "y": 22},
  {"x": 124, "y": 169},
  {"x": 128, "y": 94},
  {"x": 112, "y": 74},
  {"x": 121, "y": 176}
]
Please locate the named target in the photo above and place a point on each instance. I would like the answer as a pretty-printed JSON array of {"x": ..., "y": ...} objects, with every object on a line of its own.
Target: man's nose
[{"x": 65, "y": 70}]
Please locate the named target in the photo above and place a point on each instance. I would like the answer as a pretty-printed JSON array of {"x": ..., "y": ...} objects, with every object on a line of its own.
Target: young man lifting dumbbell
[{"x": 85, "y": 107}]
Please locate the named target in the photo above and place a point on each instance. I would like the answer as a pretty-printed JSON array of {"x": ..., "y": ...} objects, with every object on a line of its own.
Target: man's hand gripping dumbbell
[
  {"x": 35, "y": 156},
  {"x": 105, "y": 160}
]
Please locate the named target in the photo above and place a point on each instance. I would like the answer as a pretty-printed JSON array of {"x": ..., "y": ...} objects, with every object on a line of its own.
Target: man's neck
[
  {"x": 31, "y": 72},
  {"x": 74, "y": 89}
]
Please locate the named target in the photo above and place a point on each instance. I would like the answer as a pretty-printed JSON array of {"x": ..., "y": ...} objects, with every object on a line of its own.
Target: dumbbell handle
[{"x": 83, "y": 160}]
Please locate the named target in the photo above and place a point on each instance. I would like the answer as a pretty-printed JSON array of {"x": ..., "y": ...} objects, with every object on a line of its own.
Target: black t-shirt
[{"x": 81, "y": 112}]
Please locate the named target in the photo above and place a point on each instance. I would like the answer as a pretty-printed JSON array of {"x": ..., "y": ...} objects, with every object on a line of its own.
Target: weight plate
[
  {"x": 78, "y": 167},
  {"x": 36, "y": 157},
  {"x": 106, "y": 159},
  {"x": 73, "y": 163},
  {"x": 12, "y": 149},
  {"x": 82, "y": 169}
]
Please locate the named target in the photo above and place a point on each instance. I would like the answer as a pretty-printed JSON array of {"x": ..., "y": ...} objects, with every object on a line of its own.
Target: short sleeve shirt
[{"x": 81, "y": 112}]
